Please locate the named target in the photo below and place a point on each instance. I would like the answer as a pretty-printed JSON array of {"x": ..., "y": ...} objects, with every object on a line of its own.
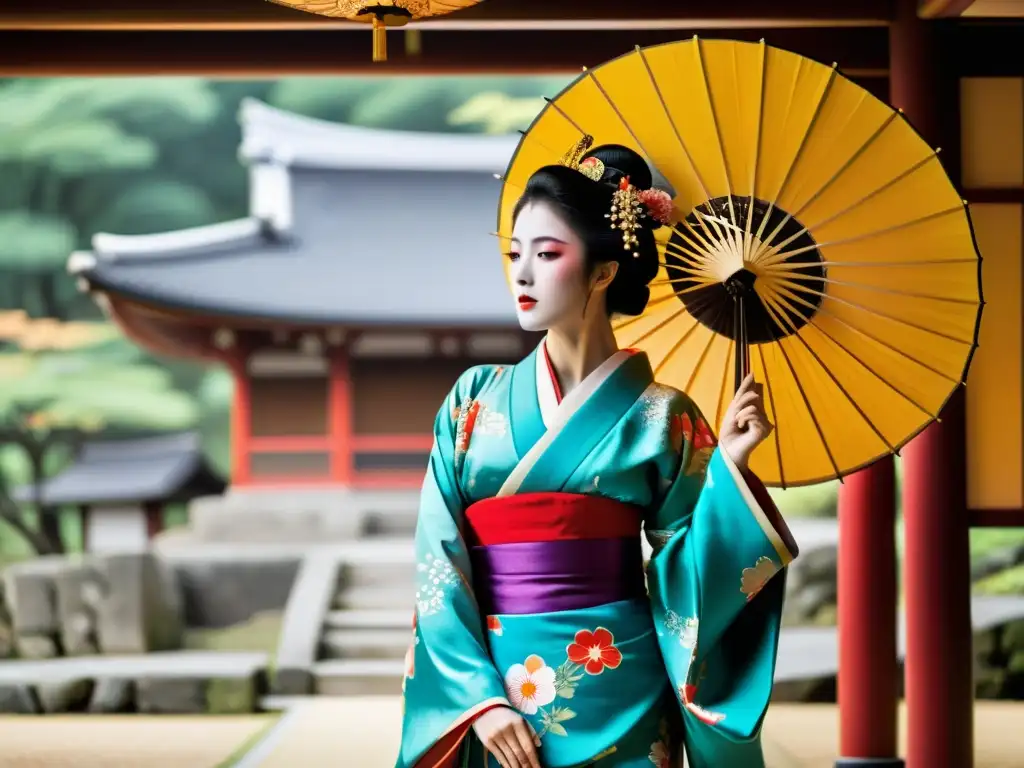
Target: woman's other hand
[
  {"x": 746, "y": 424},
  {"x": 507, "y": 736}
]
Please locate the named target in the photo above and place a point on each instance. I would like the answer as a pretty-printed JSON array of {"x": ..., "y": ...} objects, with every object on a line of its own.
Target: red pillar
[
  {"x": 341, "y": 430},
  {"x": 868, "y": 679},
  {"x": 241, "y": 423},
  {"x": 936, "y": 567}
]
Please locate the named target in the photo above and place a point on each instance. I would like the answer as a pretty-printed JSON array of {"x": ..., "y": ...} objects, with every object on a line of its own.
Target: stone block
[
  {"x": 36, "y": 646},
  {"x": 308, "y": 606},
  {"x": 227, "y": 588},
  {"x": 6, "y": 634},
  {"x": 307, "y": 515},
  {"x": 30, "y": 596},
  {"x": 18, "y": 699},
  {"x": 79, "y": 591},
  {"x": 141, "y": 610},
  {"x": 171, "y": 695},
  {"x": 112, "y": 695},
  {"x": 64, "y": 695}
]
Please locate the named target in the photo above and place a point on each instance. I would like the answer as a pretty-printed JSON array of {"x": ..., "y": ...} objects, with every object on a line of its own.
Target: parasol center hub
[
  {"x": 740, "y": 284},
  {"x": 760, "y": 289}
]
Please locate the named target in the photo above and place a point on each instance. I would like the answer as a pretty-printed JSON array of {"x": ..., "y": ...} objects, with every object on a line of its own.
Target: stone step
[
  {"x": 365, "y": 643},
  {"x": 378, "y": 574},
  {"x": 369, "y": 619},
  {"x": 359, "y": 677},
  {"x": 376, "y": 598},
  {"x": 395, "y": 523}
]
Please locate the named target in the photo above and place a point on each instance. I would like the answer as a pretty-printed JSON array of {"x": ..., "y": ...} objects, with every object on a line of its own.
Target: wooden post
[
  {"x": 84, "y": 511},
  {"x": 154, "y": 512},
  {"x": 868, "y": 680},
  {"x": 340, "y": 414},
  {"x": 241, "y": 423},
  {"x": 936, "y": 566}
]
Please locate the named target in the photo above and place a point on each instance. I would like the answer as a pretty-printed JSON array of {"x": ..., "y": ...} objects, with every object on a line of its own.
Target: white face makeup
[{"x": 548, "y": 269}]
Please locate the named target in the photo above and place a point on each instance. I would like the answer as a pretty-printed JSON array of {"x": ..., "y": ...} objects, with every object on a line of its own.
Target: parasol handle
[{"x": 740, "y": 286}]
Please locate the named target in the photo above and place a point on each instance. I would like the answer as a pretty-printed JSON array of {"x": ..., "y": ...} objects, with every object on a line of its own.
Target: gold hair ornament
[
  {"x": 591, "y": 167},
  {"x": 629, "y": 204}
]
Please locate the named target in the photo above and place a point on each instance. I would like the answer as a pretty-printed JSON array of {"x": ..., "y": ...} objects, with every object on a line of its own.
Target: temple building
[{"x": 362, "y": 282}]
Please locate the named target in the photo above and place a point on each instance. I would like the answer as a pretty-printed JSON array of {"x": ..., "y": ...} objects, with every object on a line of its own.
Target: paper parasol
[{"x": 817, "y": 240}]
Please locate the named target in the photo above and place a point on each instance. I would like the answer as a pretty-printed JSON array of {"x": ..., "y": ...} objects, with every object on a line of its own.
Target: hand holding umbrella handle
[{"x": 745, "y": 425}]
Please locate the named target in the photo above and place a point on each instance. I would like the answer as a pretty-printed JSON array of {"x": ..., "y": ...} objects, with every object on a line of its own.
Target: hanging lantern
[{"x": 380, "y": 13}]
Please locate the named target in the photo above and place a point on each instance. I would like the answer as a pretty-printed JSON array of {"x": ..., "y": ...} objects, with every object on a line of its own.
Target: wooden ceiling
[
  {"x": 256, "y": 38},
  {"x": 501, "y": 14},
  {"x": 248, "y": 38},
  {"x": 971, "y": 9}
]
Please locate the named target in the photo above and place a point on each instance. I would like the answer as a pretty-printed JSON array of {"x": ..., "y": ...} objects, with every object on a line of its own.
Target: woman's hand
[
  {"x": 746, "y": 424},
  {"x": 507, "y": 736}
]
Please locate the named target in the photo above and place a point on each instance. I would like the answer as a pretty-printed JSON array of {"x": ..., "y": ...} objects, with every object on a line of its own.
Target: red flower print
[
  {"x": 595, "y": 650},
  {"x": 680, "y": 431},
  {"x": 702, "y": 436},
  {"x": 468, "y": 416},
  {"x": 494, "y": 625}
]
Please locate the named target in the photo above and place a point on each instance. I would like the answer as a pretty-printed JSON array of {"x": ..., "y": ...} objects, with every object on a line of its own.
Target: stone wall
[
  {"x": 105, "y": 604},
  {"x": 811, "y": 594}
]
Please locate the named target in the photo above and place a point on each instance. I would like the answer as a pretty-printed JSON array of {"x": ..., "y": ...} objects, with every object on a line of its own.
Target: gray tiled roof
[
  {"x": 362, "y": 238},
  {"x": 162, "y": 468},
  {"x": 388, "y": 247}
]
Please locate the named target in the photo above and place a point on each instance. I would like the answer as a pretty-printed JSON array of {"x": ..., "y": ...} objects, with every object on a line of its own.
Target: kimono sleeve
[
  {"x": 717, "y": 583},
  {"x": 450, "y": 678}
]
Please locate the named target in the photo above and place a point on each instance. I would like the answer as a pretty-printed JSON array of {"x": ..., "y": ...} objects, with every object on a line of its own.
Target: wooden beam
[
  {"x": 500, "y": 14},
  {"x": 937, "y": 9},
  {"x": 860, "y": 52},
  {"x": 997, "y": 518},
  {"x": 995, "y": 195}
]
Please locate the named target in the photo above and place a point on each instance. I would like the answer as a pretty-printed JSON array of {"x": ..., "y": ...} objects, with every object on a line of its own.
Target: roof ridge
[{"x": 270, "y": 134}]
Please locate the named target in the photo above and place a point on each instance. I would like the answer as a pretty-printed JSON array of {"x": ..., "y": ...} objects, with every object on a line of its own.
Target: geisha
[{"x": 541, "y": 638}]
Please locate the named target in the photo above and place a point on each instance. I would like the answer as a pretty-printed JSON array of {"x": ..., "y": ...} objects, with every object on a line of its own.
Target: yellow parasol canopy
[{"x": 817, "y": 241}]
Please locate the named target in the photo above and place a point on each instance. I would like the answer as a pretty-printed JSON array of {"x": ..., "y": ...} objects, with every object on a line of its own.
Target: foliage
[
  {"x": 1008, "y": 582},
  {"x": 496, "y": 112},
  {"x": 459, "y": 104},
  {"x": 59, "y": 397}
]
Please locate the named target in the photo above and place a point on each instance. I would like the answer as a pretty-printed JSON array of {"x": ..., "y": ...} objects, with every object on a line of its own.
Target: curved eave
[
  {"x": 274, "y": 135},
  {"x": 209, "y": 315}
]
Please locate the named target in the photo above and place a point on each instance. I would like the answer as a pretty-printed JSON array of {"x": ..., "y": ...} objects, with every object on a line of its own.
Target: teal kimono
[{"x": 531, "y": 587}]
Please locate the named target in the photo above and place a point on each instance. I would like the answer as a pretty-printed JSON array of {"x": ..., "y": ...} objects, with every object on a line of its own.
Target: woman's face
[{"x": 549, "y": 270}]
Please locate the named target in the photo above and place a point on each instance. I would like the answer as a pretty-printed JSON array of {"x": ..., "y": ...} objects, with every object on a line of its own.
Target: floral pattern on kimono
[{"x": 533, "y": 685}]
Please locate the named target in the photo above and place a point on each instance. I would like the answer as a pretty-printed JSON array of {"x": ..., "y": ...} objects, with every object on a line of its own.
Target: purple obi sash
[{"x": 540, "y": 553}]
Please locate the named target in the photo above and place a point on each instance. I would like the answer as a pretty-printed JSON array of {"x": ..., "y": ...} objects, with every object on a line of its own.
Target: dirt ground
[
  {"x": 128, "y": 741},
  {"x": 363, "y": 733},
  {"x": 796, "y": 736}
]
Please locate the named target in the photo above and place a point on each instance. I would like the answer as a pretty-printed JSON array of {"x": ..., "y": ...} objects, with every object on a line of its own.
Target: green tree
[
  {"x": 58, "y": 138},
  {"x": 55, "y": 400}
]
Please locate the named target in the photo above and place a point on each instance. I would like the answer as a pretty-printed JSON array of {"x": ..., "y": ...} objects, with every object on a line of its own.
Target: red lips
[{"x": 527, "y": 302}]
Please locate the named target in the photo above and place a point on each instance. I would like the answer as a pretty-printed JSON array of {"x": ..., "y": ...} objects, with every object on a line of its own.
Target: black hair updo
[{"x": 584, "y": 204}]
